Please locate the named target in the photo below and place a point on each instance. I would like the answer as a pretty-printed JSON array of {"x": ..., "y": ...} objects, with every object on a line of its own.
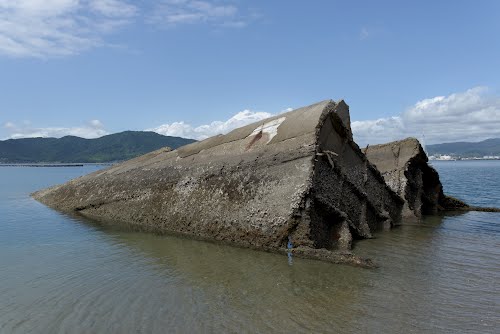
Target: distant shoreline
[
  {"x": 466, "y": 159},
  {"x": 55, "y": 164}
]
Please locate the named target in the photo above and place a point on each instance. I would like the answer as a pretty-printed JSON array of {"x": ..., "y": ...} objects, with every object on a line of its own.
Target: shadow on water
[{"x": 259, "y": 290}]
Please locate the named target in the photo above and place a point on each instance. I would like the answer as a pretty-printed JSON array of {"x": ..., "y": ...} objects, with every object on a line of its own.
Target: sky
[{"x": 196, "y": 68}]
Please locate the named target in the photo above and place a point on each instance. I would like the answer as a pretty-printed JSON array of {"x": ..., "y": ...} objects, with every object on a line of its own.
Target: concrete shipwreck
[
  {"x": 295, "y": 183},
  {"x": 406, "y": 171},
  {"x": 404, "y": 166}
]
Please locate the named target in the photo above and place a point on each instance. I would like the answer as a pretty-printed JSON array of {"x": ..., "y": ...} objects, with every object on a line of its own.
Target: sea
[{"x": 64, "y": 274}]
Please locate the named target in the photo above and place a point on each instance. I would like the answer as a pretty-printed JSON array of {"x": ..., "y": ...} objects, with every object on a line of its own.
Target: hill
[
  {"x": 489, "y": 147},
  {"x": 71, "y": 149}
]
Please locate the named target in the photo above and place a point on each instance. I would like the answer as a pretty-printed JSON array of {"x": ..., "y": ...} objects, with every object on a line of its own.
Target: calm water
[{"x": 59, "y": 274}]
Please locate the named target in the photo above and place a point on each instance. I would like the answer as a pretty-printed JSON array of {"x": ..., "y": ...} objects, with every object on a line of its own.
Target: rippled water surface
[{"x": 60, "y": 274}]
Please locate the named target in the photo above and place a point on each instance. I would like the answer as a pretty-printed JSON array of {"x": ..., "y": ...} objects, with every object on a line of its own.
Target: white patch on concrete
[{"x": 270, "y": 128}]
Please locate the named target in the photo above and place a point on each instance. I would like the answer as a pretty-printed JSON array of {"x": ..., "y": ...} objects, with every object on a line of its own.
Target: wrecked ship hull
[
  {"x": 404, "y": 166},
  {"x": 294, "y": 179}
]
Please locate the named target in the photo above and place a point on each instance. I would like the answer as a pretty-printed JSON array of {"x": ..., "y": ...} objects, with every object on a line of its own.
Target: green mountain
[
  {"x": 467, "y": 149},
  {"x": 70, "y": 149}
]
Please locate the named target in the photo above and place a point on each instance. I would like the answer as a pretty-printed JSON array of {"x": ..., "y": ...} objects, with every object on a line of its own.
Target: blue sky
[{"x": 196, "y": 68}]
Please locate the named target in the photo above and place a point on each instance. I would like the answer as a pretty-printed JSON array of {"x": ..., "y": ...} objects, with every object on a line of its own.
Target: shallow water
[{"x": 60, "y": 274}]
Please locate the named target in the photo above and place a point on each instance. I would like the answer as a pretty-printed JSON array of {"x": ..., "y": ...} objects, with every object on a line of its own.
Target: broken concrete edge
[
  {"x": 404, "y": 166},
  {"x": 396, "y": 171},
  {"x": 338, "y": 118},
  {"x": 449, "y": 203},
  {"x": 482, "y": 209},
  {"x": 335, "y": 257},
  {"x": 336, "y": 110},
  {"x": 455, "y": 205}
]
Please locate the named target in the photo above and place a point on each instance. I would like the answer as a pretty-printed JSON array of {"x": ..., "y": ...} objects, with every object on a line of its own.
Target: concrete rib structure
[{"x": 293, "y": 179}]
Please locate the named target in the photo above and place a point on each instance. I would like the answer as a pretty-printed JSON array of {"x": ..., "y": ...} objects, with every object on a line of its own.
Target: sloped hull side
[
  {"x": 350, "y": 198},
  {"x": 244, "y": 188}
]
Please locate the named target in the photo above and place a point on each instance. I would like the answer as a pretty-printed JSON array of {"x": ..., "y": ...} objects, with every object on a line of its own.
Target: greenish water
[{"x": 60, "y": 274}]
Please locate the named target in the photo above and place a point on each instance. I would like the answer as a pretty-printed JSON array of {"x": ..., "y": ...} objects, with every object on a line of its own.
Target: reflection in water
[
  {"x": 289, "y": 246},
  {"x": 61, "y": 274},
  {"x": 258, "y": 291},
  {"x": 444, "y": 270}
]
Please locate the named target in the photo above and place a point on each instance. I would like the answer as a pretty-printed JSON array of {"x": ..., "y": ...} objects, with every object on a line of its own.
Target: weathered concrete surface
[
  {"x": 296, "y": 178},
  {"x": 404, "y": 166},
  {"x": 405, "y": 169}
]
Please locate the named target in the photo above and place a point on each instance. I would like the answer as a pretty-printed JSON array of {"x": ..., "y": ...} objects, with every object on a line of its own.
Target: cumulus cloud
[
  {"x": 182, "y": 129},
  {"x": 56, "y": 28},
  {"x": 364, "y": 33},
  {"x": 92, "y": 129},
  {"x": 113, "y": 8},
  {"x": 221, "y": 13},
  {"x": 48, "y": 28},
  {"x": 472, "y": 115}
]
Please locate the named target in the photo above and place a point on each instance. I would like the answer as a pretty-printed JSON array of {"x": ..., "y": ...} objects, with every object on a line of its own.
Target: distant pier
[
  {"x": 41, "y": 165},
  {"x": 54, "y": 165}
]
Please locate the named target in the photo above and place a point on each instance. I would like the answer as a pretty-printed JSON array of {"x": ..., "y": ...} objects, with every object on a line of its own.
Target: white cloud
[
  {"x": 364, "y": 33},
  {"x": 369, "y": 32},
  {"x": 95, "y": 128},
  {"x": 48, "y": 28},
  {"x": 92, "y": 129},
  {"x": 221, "y": 13},
  {"x": 182, "y": 129},
  {"x": 9, "y": 125},
  {"x": 472, "y": 115},
  {"x": 55, "y": 28},
  {"x": 113, "y": 8}
]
